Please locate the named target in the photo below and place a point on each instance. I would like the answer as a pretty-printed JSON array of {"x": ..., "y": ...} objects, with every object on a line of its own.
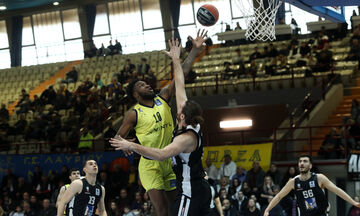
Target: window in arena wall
[
  {"x": 27, "y": 32},
  {"x": 4, "y": 58},
  {"x": 48, "y": 37},
  {"x": 151, "y": 14},
  {"x": 71, "y": 24},
  {"x": 4, "y": 42},
  {"x": 101, "y": 20},
  {"x": 29, "y": 56},
  {"x": 154, "y": 40},
  {"x": 187, "y": 15},
  {"x": 129, "y": 34}
]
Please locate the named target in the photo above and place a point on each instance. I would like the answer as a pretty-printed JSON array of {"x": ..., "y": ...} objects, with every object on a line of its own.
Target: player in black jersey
[
  {"x": 193, "y": 191},
  {"x": 88, "y": 195},
  {"x": 309, "y": 190}
]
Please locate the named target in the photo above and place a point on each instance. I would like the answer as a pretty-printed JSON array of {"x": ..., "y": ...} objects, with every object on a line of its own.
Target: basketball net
[{"x": 260, "y": 18}]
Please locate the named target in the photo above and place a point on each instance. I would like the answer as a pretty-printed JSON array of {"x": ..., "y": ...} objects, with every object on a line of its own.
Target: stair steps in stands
[{"x": 51, "y": 81}]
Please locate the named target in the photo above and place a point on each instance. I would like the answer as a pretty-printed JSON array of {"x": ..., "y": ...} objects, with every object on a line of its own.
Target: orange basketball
[{"x": 207, "y": 15}]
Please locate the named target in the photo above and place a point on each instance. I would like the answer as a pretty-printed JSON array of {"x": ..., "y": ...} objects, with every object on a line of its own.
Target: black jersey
[
  {"x": 193, "y": 191},
  {"x": 85, "y": 203},
  {"x": 188, "y": 166},
  {"x": 310, "y": 198}
]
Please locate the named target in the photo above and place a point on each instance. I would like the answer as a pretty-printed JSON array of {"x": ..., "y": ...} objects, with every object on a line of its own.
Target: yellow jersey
[{"x": 154, "y": 125}]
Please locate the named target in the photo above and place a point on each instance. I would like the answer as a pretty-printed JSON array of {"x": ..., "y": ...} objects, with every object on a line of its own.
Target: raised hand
[
  {"x": 175, "y": 48},
  {"x": 200, "y": 38}
]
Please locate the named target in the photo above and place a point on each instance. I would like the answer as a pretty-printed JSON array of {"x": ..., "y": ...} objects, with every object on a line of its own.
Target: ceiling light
[
  {"x": 236, "y": 123},
  {"x": 56, "y": 3},
  {"x": 2, "y": 7}
]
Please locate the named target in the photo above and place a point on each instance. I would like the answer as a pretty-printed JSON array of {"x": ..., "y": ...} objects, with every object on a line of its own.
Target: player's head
[
  {"x": 305, "y": 163},
  {"x": 190, "y": 113},
  {"x": 74, "y": 174},
  {"x": 139, "y": 90},
  {"x": 90, "y": 167}
]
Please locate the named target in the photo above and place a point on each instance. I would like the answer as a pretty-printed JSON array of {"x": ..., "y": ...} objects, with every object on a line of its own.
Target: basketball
[{"x": 207, "y": 15}]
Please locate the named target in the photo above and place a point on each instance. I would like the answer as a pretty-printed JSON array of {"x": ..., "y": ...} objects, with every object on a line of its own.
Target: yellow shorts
[{"x": 157, "y": 175}]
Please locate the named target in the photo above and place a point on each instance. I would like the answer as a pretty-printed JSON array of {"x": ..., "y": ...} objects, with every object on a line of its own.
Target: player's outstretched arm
[
  {"x": 218, "y": 206},
  {"x": 326, "y": 183},
  {"x": 174, "y": 54},
  {"x": 101, "y": 204},
  {"x": 284, "y": 191},
  {"x": 74, "y": 188},
  {"x": 168, "y": 91},
  {"x": 61, "y": 193},
  {"x": 128, "y": 123},
  {"x": 179, "y": 144}
]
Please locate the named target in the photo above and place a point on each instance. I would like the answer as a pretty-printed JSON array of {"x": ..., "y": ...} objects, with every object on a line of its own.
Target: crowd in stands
[
  {"x": 347, "y": 135},
  {"x": 104, "y": 51},
  {"x": 314, "y": 53},
  {"x": 241, "y": 192},
  {"x": 61, "y": 116}
]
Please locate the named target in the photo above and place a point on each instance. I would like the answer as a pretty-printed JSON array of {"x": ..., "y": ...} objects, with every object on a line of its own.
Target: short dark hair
[
  {"x": 85, "y": 162},
  {"x": 306, "y": 155},
  {"x": 192, "y": 112},
  {"x": 73, "y": 170},
  {"x": 130, "y": 89}
]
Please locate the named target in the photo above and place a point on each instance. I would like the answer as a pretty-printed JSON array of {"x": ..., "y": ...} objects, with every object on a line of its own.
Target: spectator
[
  {"x": 188, "y": 44},
  {"x": 240, "y": 175},
  {"x": 340, "y": 32},
  {"x": 24, "y": 105},
  {"x": 128, "y": 212},
  {"x": 290, "y": 173},
  {"x": 331, "y": 147},
  {"x": 20, "y": 125},
  {"x": 118, "y": 47},
  {"x": 28, "y": 211},
  {"x": 111, "y": 48},
  {"x": 354, "y": 211},
  {"x": 223, "y": 184},
  {"x": 4, "y": 113},
  {"x": 275, "y": 174},
  {"x": 278, "y": 209},
  {"x": 47, "y": 210},
  {"x": 267, "y": 190},
  {"x": 43, "y": 189},
  {"x": 86, "y": 140},
  {"x": 229, "y": 210},
  {"x": 151, "y": 79},
  {"x": 228, "y": 168},
  {"x": 145, "y": 209},
  {"x": 113, "y": 210},
  {"x": 211, "y": 170},
  {"x": 238, "y": 27},
  {"x": 324, "y": 60},
  {"x": 62, "y": 98},
  {"x": 284, "y": 50},
  {"x": 354, "y": 53},
  {"x": 273, "y": 52},
  {"x": 98, "y": 83},
  {"x": 240, "y": 202},
  {"x": 124, "y": 74},
  {"x": 123, "y": 200},
  {"x": 131, "y": 65},
  {"x": 239, "y": 60},
  {"x": 116, "y": 87},
  {"x": 35, "y": 104},
  {"x": 71, "y": 76},
  {"x": 304, "y": 49},
  {"x": 48, "y": 96},
  {"x": 255, "y": 176},
  {"x": 246, "y": 189},
  {"x": 137, "y": 203},
  {"x": 252, "y": 210},
  {"x": 34, "y": 205},
  {"x": 255, "y": 55},
  {"x": 102, "y": 51},
  {"x": 18, "y": 212},
  {"x": 228, "y": 72},
  {"x": 235, "y": 187},
  {"x": 143, "y": 67}
]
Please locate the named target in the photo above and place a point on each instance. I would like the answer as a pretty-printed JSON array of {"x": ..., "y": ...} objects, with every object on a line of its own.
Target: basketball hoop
[{"x": 260, "y": 18}]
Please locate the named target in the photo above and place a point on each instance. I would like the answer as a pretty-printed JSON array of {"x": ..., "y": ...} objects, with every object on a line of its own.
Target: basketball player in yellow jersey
[
  {"x": 74, "y": 174},
  {"x": 151, "y": 118}
]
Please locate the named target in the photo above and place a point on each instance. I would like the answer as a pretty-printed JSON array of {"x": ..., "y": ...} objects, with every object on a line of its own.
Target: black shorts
[{"x": 197, "y": 204}]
